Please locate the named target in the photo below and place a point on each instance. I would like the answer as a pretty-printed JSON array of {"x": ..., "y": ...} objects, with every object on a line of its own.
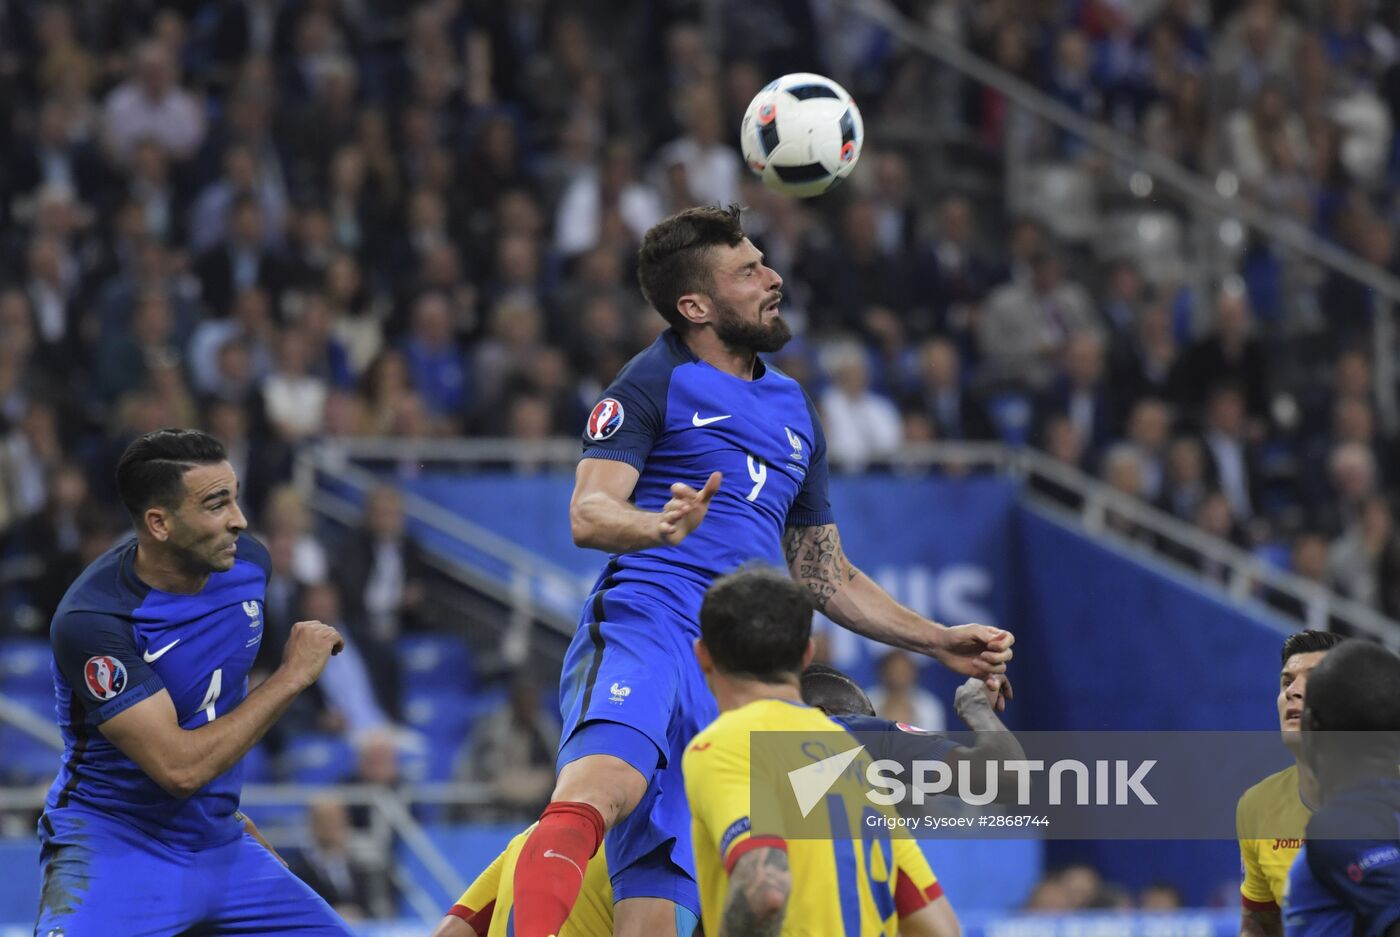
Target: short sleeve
[
  {"x": 717, "y": 785},
  {"x": 478, "y": 903},
  {"x": 625, "y": 422},
  {"x": 97, "y": 655},
  {"x": 1255, "y": 891},
  {"x": 1364, "y": 875},
  {"x": 915, "y": 883},
  {"x": 812, "y": 506}
]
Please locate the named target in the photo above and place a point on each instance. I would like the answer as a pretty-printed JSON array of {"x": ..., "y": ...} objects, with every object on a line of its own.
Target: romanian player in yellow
[
  {"x": 1272, "y": 815},
  {"x": 755, "y": 640},
  {"x": 485, "y": 907}
]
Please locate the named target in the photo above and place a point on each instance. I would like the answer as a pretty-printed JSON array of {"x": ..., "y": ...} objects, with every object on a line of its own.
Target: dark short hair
[
  {"x": 831, "y": 690},
  {"x": 674, "y": 257},
  {"x": 1308, "y": 642},
  {"x": 152, "y": 469},
  {"x": 1356, "y": 688},
  {"x": 756, "y": 623}
]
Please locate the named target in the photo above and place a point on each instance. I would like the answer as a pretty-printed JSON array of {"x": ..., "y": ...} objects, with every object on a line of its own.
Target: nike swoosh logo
[
  {"x": 706, "y": 421},
  {"x": 150, "y": 658},
  {"x": 551, "y": 854}
]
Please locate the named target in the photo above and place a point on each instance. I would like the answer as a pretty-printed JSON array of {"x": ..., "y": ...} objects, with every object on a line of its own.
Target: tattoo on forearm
[
  {"x": 815, "y": 557},
  {"x": 758, "y": 892}
]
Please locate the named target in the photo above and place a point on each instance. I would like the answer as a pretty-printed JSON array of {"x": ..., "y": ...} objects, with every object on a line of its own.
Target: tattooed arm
[
  {"x": 759, "y": 887},
  {"x": 852, "y": 599}
]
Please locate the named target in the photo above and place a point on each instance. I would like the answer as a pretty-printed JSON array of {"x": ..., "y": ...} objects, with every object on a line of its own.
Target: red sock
[{"x": 549, "y": 872}]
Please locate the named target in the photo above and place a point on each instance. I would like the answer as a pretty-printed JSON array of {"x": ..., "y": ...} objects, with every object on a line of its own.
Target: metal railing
[
  {"x": 391, "y": 821},
  {"x": 1206, "y": 197},
  {"x": 1246, "y": 577}
]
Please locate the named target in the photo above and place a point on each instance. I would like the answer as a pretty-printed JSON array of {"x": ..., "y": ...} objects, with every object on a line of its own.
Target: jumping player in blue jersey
[
  {"x": 1345, "y": 881},
  {"x": 141, "y": 832},
  {"x": 697, "y": 407}
]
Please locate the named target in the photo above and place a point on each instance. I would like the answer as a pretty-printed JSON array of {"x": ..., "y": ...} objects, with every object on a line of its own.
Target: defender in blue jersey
[
  {"x": 695, "y": 428},
  {"x": 141, "y": 832},
  {"x": 1345, "y": 881}
]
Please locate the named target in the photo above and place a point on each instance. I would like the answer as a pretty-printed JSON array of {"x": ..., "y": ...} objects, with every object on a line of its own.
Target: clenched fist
[{"x": 309, "y": 646}]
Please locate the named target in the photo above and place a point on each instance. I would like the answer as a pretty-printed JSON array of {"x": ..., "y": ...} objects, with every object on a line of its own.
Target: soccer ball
[{"x": 802, "y": 134}]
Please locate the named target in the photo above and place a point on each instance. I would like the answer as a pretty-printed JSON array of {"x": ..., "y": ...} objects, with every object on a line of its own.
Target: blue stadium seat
[
  {"x": 435, "y": 660},
  {"x": 27, "y": 760},
  {"x": 24, "y": 664},
  {"x": 257, "y": 766},
  {"x": 317, "y": 758},
  {"x": 443, "y": 715}
]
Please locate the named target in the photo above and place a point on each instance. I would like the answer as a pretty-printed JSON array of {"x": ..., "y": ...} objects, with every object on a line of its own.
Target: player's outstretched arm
[
  {"x": 759, "y": 887},
  {"x": 601, "y": 516},
  {"x": 853, "y": 600},
  {"x": 184, "y": 760}
]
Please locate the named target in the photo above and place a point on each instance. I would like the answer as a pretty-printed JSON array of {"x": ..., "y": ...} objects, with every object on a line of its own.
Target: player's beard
[{"x": 738, "y": 332}]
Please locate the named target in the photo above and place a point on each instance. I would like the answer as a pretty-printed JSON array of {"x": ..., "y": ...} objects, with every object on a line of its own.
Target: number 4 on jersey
[{"x": 211, "y": 696}]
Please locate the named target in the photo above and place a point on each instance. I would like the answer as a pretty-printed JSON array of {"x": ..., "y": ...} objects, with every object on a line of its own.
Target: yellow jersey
[
  {"x": 1275, "y": 806},
  {"x": 486, "y": 904},
  {"x": 863, "y": 881}
]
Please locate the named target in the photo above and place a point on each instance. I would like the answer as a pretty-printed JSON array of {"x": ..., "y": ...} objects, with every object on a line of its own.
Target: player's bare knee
[{"x": 607, "y": 784}]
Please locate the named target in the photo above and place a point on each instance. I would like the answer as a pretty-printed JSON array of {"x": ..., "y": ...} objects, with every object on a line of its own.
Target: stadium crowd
[{"x": 303, "y": 220}]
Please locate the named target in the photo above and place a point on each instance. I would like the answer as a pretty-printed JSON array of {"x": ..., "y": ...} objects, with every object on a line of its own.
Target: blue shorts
[
  {"x": 102, "y": 876},
  {"x": 631, "y": 688}
]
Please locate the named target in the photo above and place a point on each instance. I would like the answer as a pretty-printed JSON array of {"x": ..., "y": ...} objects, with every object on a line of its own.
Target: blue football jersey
[
  {"x": 117, "y": 641},
  {"x": 1348, "y": 887},
  {"x": 675, "y": 418}
]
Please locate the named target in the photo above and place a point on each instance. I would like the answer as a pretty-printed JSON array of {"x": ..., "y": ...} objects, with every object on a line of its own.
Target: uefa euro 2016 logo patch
[
  {"x": 605, "y": 420},
  {"x": 105, "y": 677}
]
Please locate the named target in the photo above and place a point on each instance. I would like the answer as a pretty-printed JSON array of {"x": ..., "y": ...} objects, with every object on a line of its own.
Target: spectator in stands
[
  {"x": 436, "y": 364},
  {"x": 1160, "y": 896},
  {"x": 899, "y": 698},
  {"x": 1122, "y": 469},
  {"x": 293, "y": 397},
  {"x": 1233, "y": 455},
  {"x": 1229, "y": 353},
  {"x": 330, "y": 866},
  {"x": 1185, "y": 485},
  {"x": 1351, "y": 467},
  {"x": 1024, "y": 328},
  {"x": 861, "y": 425},
  {"x": 379, "y": 571},
  {"x": 242, "y": 261},
  {"x": 952, "y": 274},
  {"x": 359, "y": 695},
  {"x": 42, "y": 551},
  {"x": 1081, "y": 393},
  {"x": 1365, "y": 560},
  {"x": 151, "y": 104},
  {"x": 955, "y": 413},
  {"x": 1149, "y": 432},
  {"x": 1062, "y": 442},
  {"x": 511, "y": 750}
]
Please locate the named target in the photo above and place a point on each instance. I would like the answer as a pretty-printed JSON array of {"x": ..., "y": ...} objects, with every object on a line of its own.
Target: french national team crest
[
  {"x": 105, "y": 677},
  {"x": 605, "y": 420}
]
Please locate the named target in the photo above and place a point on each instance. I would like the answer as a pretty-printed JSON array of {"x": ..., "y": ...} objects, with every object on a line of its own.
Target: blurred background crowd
[{"x": 301, "y": 221}]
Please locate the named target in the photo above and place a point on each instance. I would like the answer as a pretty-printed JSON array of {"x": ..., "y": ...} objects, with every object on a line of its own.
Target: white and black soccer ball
[{"x": 802, "y": 134}]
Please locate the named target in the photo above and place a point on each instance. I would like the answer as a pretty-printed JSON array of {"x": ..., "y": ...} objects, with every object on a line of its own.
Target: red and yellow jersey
[
  {"x": 487, "y": 902},
  {"x": 854, "y": 883},
  {"x": 1273, "y": 805}
]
